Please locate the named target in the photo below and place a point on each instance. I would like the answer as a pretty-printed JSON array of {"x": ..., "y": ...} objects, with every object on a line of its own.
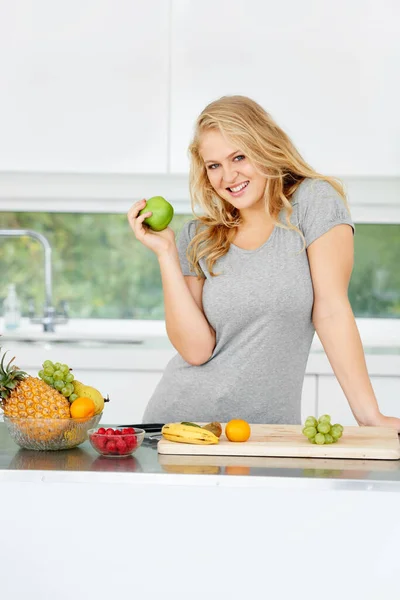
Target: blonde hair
[{"x": 249, "y": 127}]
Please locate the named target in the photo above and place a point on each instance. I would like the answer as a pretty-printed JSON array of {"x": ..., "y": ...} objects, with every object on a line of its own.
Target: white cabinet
[
  {"x": 331, "y": 399},
  {"x": 97, "y": 87},
  {"x": 84, "y": 86},
  {"x": 323, "y": 70}
]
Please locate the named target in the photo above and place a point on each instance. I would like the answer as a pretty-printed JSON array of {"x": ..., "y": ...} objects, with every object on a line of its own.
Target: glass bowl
[
  {"x": 120, "y": 443},
  {"x": 50, "y": 434}
]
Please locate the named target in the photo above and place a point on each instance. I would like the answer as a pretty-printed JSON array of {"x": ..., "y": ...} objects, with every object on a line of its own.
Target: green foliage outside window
[
  {"x": 104, "y": 272},
  {"x": 99, "y": 267}
]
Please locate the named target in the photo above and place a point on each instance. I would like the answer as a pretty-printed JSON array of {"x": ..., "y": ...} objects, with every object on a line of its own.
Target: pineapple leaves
[{"x": 10, "y": 376}]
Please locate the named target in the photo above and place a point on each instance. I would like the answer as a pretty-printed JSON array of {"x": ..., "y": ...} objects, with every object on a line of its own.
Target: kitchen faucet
[{"x": 50, "y": 318}]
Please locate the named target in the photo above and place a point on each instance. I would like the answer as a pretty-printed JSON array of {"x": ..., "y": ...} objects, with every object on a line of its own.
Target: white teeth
[{"x": 239, "y": 187}]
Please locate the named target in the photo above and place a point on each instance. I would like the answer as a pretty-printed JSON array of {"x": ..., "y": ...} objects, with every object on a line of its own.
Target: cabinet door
[
  {"x": 323, "y": 70},
  {"x": 84, "y": 86},
  {"x": 129, "y": 392},
  {"x": 331, "y": 399}
]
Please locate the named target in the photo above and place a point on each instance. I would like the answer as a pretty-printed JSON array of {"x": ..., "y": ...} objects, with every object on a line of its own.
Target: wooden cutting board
[
  {"x": 333, "y": 468},
  {"x": 287, "y": 440}
]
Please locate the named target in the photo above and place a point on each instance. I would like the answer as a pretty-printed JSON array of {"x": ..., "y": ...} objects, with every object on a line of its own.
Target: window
[
  {"x": 102, "y": 271},
  {"x": 99, "y": 267},
  {"x": 375, "y": 284}
]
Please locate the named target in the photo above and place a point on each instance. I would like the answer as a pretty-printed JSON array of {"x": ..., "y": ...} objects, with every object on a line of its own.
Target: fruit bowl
[
  {"x": 116, "y": 443},
  {"x": 50, "y": 434}
]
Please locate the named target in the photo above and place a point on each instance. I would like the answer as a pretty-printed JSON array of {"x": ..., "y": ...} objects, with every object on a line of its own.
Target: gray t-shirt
[{"x": 260, "y": 308}]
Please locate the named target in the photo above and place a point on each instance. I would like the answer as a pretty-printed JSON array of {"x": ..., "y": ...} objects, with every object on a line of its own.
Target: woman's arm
[
  {"x": 186, "y": 324},
  {"x": 187, "y": 327},
  {"x": 331, "y": 264}
]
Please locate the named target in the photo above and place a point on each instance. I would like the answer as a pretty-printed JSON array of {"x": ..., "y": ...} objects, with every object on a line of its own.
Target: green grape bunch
[
  {"x": 321, "y": 431},
  {"x": 59, "y": 377}
]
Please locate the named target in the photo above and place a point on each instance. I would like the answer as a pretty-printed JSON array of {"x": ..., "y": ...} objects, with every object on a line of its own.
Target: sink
[
  {"x": 81, "y": 343},
  {"x": 95, "y": 343}
]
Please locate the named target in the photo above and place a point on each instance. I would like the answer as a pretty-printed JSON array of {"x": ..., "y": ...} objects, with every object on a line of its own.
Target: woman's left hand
[{"x": 383, "y": 421}]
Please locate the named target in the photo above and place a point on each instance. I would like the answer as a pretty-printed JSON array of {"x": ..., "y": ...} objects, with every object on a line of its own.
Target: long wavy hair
[{"x": 251, "y": 129}]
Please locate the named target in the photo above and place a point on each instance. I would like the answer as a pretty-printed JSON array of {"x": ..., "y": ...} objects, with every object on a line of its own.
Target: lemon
[{"x": 162, "y": 213}]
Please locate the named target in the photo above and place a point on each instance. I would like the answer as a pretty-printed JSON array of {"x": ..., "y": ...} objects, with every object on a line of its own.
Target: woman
[{"x": 250, "y": 280}]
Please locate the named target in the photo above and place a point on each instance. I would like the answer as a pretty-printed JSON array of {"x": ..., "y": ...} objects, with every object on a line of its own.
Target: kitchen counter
[
  {"x": 117, "y": 345},
  {"x": 79, "y": 525},
  {"x": 378, "y": 333},
  {"x": 84, "y": 464}
]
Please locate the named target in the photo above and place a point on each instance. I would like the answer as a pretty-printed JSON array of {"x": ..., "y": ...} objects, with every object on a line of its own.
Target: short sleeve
[
  {"x": 321, "y": 208},
  {"x": 186, "y": 234}
]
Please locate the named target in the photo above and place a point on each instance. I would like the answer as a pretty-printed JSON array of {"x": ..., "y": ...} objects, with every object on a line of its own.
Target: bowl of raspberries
[{"x": 111, "y": 441}]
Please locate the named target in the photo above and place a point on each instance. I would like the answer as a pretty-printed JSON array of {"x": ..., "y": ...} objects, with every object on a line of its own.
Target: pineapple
[{"x": 30, "y": 397}]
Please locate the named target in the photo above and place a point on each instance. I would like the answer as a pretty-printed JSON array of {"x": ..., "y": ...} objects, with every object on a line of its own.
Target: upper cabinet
[
  {"x": 326, "y": 72},
  {"x": 115, "y": 87},
  {"x": 84, "y": 86}
]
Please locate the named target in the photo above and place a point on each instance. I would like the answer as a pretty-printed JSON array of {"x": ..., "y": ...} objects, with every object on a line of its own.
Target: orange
[
  {"x": 236, "y": 470},
  {"x": 82, "y": 407},
  {"x": 237, "y": 430}
]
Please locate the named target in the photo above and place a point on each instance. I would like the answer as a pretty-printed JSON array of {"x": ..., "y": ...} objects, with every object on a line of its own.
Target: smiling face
[{"x": 230, "y": 173}]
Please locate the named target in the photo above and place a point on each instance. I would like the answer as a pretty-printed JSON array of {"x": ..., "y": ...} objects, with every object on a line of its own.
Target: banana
[
  {"x": 188, "y": 434},
  {"x": 90, "y": 392},
  {"x": 215, "y": 427}
]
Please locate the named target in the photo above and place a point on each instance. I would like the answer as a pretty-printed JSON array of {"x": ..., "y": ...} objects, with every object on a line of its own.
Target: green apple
[{"x": 162, "y": 213}]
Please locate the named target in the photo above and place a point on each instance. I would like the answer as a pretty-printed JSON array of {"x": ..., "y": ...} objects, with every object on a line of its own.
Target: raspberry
[
  {"x": 121, "y": 446},
  {"x": 111, "y": 446},
  {"x": 128, "y": 431},
  {"x": 117, "y": 432},
  {"x": 101, "y": 431},
  {"x": 130, "y": 441},
  {"x": 101, "y": 442},
  {"x": 98, "y": 441},
  {"x": 110, "y": 431},
  {"x": 93, "y": 439}
]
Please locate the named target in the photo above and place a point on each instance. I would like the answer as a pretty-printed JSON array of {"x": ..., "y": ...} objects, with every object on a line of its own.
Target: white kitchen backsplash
[{"x": 373, "y": 332}]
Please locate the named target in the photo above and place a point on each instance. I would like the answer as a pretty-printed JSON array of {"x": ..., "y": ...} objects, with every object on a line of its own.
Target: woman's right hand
[{"x": 158, "y": 241}]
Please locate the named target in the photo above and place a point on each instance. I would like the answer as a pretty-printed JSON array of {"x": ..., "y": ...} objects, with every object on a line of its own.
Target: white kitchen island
[{"x": 76, "y": 525}]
